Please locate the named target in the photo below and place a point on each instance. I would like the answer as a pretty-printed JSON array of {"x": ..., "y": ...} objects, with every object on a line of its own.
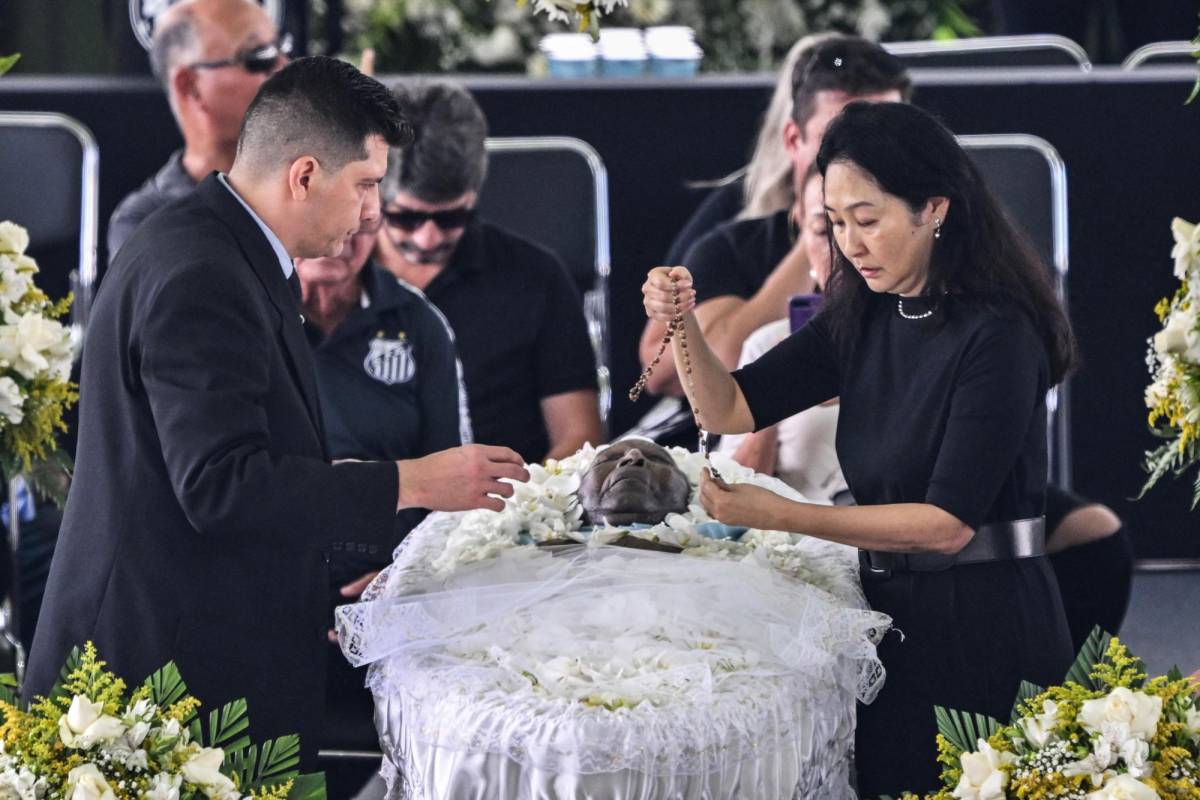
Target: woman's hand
[
  {"x": 737, "y": 503},
  {"x": 658, "y": 296}
]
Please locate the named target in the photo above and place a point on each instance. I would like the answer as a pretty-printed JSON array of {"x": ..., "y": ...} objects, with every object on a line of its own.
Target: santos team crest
[{"x": 390, "y": 361}]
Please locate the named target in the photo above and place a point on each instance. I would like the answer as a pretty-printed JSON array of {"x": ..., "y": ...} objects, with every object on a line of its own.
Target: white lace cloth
[{"x": 503, "y": 670}]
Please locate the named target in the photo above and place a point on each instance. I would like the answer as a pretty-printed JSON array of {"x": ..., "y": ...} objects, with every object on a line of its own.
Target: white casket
[{"x": 502, "y": 669}]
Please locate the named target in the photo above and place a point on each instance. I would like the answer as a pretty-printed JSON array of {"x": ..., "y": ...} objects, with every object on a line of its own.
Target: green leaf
[
  {"x": 1025, "y": 692},
  {"x": 308, "y": 787},
  {"x": 1174, "y": 674},
  {"x": 266, "y": 764},
  {"x": 230, "y": 722},
  {"x": 1091, "y": 654},
  {"x": 8, "y": 690},
  {"x": 963, "y": 730},
  {"x": 51, "y": 476},
  {"x": 167, "y": 687},
  {"x": 58, "y": 692},
  {"x": 7, "y": 62}
]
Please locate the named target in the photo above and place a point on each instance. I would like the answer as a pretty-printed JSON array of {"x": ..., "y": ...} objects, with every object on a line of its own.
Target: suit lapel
[{"x": 262, "y": 259}]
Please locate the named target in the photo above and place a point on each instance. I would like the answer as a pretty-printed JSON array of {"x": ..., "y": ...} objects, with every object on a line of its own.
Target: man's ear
[
  {"x": 301, "y": 175},
  {"x": 793, "y": 139},
  {"x": 183, "y": 83}
]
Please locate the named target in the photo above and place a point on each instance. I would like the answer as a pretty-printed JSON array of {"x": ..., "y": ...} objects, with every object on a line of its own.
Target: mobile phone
[{"x": 801, "y": 308}]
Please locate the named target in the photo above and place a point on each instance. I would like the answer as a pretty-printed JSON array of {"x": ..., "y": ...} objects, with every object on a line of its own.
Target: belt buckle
[{"x": 864, "y": 560}]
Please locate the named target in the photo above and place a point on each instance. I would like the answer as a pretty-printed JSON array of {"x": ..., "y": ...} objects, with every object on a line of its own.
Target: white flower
[
  {"x": 42, "y": 345},
  {"x": 11, "y": 401},
  {"x": 1039, "y": 729},
  {"x": 1187, "y": 247},
  {"x": 1138, "y": 710},
  {"x": 204, "y": 770},
  {"x": 16, "y": 276},
  {"x": 86, "y": 782},
  {"x": 20, "y": 783},
  {"x": 1180, "y": 335},
  {"x": 1192, "y": 720},
  {"x": 85, "y": 724},
  {"x": 1123, "y": 787},
  {"x": 983, "y": 774},
  {"x": 163, "y": 787},
  {"x": 13, "y": 238}
]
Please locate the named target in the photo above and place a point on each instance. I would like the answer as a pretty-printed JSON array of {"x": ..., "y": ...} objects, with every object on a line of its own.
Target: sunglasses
[
  {"x": 262, "y": 58},
  {"x": 409, "y": 220}
]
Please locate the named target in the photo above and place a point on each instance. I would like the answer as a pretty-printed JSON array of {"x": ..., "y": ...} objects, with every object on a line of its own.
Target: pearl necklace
[
  {"x": 673, "y": 327},
  {"x": 923, "y": 315}
]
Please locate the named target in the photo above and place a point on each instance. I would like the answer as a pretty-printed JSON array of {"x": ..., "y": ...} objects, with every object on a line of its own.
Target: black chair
[
  {"x": 1030, "y": 180},
  {"x": 1036, "y": 50},
  {"x": 554, "y": 191},
  {"x": 50, "y": 164},
  {"x": 1162, "y": 54}
]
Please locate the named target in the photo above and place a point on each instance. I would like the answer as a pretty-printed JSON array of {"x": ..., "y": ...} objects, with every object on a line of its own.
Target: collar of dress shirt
[{"x": 285, "y": 261}]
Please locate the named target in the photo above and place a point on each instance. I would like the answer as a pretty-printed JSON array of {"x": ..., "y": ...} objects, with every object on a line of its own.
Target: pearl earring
[{"x": 937, "y": 228}]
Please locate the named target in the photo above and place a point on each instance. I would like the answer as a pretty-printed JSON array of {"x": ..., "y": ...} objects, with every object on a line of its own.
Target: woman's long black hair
[{"x": 980, "y": 253}]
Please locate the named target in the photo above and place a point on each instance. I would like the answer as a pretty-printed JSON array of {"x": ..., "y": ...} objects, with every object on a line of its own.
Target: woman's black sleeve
[{"x": 798, "y": 373}]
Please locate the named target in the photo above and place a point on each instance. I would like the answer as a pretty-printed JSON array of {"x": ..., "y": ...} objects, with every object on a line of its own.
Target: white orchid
[
  {"x": 164, "y": 787},
  {"x": 984, "y": 774},
  {"x": 12, "y": 401},
  {"x": 20, "y": 783},
  {"x": 1187, "y": 247},
  {"x": 43, "y": 345},
  {"x": 85, "y": 724}
]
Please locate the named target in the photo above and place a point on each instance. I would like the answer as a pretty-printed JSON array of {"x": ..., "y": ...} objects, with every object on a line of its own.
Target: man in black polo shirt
[{"x": 518, "y": 321}]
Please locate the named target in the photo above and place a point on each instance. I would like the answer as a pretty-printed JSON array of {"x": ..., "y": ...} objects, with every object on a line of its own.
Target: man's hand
[
  {"x": 352, "y": 591},
  {"x": 459, "y": 479}
]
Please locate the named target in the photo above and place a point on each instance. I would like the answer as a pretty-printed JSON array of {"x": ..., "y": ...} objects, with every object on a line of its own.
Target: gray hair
[
  {"x": 173, "y": 40},
  {"x": 447, "y": 157}
]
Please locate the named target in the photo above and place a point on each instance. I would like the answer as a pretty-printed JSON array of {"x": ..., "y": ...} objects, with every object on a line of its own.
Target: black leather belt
[{"x": 996, "y": 541}]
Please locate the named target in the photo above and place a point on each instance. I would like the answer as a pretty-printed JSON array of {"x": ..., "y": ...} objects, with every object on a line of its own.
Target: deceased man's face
[{"x": 633, "y": 481}]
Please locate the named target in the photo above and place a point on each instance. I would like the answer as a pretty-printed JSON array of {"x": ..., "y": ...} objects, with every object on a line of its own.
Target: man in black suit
[{"x": 203, "y": 507}]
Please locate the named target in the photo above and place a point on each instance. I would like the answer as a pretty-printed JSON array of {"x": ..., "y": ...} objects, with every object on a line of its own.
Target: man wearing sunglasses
[
  {"x": 211, "y": 56},
  {"x": 518, "y": 321}
]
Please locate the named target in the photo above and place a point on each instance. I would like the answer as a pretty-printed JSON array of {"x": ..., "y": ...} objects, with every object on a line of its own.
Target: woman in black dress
[{"x": 941, "y": 335}]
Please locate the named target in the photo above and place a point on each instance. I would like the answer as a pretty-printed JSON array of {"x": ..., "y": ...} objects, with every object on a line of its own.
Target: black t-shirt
[
  {"x": 719, "y": 206},
  {"x": 948, "y": 410},
  {"x": 736, "y": 258},
  {"x": 520, "y": 331},
  {"x": 388, "y": 376}
]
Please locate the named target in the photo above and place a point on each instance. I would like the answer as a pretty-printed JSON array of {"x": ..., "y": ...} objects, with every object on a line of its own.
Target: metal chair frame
[
  {"x": 981, "y": 44},
  {"x": 595, "y": 302},
  {"x": 1058, "y": 408},
  {"x": 83, "y": 282},
  {"x": 1160, "y": 50}
]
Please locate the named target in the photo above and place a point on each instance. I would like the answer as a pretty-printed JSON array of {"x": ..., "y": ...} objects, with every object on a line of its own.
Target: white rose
[
  {"x": 163, "y": 787},
  {"x": 87, "y": 783},
  {"x": 1174, "y": 338},
  {"x": 1123, "y": 787},
  {"x": 86, "y": 724},
  {"x": 14, "y": 238},
  {"x": 1138, "y": 710},
  {"x": 11, "y": 401},
  {"x": 983, "y": 774},
  {"x": 42, "y": 345},
  {"x": 204, "y": 770},
  {"x": 1039, "y": 729},
  {"x": 1187, "y": 246}
]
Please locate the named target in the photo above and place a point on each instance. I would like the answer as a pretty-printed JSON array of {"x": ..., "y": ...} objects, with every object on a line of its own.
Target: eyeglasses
[
  {"x": 409, "y": 220},
  {"x": 262, "y": 58}
]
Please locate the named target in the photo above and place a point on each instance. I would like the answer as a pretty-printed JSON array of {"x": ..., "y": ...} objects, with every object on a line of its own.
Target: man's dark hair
[
  {"x": 447, "y": 157},
  {"x": 848, "y": 64},
  {"x": 322, "y": 107}
]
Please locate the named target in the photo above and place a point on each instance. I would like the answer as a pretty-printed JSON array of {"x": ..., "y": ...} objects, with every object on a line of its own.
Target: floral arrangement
[
  {"x": 1173, "y": 395},
  {"x": 736, "y": 35},
  {"x": 36, "y": 351},
  {"x": 1108, "y": 733},
  {"x": 90, "y": 740}
]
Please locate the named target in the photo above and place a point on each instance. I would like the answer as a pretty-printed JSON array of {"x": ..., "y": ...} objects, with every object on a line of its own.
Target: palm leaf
[
  {"x": 308, "y": 787},
  {"x": 1025, "y": 692},
  {"x": 1091, "y": 654},
  {"x": 224, "y": 725},
  {"x": 8, "y": 691},
  {"x": 6, "y": 62},
  {"x": 58, "y": 691},
  {"x": 166, "y": 686},
  {"x": 964, "y": 730}
]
